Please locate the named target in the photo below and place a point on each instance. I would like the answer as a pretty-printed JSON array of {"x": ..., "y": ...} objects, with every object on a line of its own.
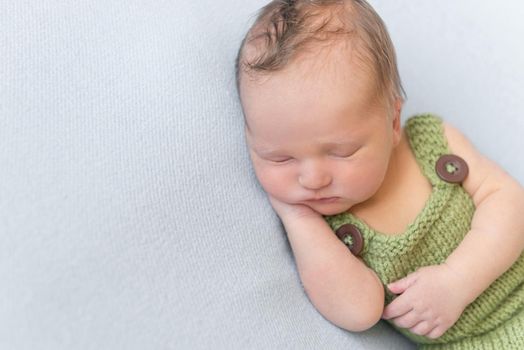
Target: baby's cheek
[
  {"x": 275, "y": 180},
  {"x": 360, "y": 182}
]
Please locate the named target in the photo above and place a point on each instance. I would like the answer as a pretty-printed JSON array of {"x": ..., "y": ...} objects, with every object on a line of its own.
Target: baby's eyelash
[
  {"x": 344, "y": 155},
  {"x": 280, "y": 160}
]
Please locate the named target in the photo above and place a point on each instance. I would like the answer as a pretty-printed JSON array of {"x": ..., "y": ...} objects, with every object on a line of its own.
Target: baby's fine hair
[{"x": 285, "y": 28}]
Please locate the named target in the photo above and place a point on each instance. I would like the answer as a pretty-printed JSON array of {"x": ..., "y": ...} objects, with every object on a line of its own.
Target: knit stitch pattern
[{"x": 495, "y": 320}]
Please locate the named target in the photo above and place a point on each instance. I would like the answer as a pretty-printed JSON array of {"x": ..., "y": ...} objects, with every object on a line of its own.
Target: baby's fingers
[
  {"x": 397, "y": 307},
  {"x": 436, "y": 332},
  {"x": 408, "y": 320},
  {"x": 422, "y": 328}
]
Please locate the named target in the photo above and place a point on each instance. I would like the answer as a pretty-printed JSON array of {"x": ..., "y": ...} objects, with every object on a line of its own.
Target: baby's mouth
[{"x": 324, "y": 200}]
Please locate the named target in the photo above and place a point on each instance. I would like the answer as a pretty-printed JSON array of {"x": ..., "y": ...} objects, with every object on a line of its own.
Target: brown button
[
  {"x": 351, "y": 230},
  {"x": 451, "y": 168}
]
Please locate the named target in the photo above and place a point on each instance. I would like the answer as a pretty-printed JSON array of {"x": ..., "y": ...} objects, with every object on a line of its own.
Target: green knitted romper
[{"x": 495, "y": 320}]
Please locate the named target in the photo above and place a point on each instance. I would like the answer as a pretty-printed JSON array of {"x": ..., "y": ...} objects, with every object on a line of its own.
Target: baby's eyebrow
[
  {"x": 324, "y": 146},
  {"x": 267, "y": 152},
  {"x": 338, "y": 144}
]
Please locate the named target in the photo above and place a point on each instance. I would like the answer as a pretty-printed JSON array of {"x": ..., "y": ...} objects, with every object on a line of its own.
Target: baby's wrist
[
  {"x": 305, "y": 219},
  {"x": 462, "y": 283}
]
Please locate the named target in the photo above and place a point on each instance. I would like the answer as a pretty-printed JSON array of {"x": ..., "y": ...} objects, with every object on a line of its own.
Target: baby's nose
[{"x": 313, "y": 177}]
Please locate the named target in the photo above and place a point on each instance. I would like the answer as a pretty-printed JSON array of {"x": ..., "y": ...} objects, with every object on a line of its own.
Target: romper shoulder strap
[{"x": 426, "y": 137}]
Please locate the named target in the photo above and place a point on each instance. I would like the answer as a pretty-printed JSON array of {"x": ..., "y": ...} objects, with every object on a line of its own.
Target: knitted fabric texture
[{"x": 495, "y": 320}]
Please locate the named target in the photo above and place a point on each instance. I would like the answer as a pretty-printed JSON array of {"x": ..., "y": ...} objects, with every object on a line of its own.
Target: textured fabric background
[{"x": 129, "y": 214}]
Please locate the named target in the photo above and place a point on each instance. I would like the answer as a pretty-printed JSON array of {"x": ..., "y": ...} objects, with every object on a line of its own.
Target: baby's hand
[
  {"x": 286, "y": 210},
  {"x": 432, "y": 300}
]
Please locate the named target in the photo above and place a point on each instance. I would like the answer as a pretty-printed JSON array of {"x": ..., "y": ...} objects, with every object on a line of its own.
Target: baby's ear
[{"x": 397, "y": 109}]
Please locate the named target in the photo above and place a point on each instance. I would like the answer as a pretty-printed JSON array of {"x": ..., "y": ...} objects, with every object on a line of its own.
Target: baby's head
[{"x": 321, "y": 96}]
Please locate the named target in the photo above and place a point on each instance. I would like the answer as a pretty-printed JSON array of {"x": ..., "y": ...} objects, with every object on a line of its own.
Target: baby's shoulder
[{"x": 484, "y": 176}]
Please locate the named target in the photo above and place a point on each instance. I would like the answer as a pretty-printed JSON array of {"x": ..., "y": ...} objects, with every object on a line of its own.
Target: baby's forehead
[{"x": 291, "y": 103}]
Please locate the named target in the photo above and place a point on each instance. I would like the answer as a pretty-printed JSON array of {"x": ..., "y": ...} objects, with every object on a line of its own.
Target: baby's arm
[
  {"x": 341, "y": 287},
  {"x": 496, "y": 238},
  {"x": 495, "y": 241}
]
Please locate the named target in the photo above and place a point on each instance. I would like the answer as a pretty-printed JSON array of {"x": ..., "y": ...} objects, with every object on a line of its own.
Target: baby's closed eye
[
  {"x": 279, "y": 160},
  {"x": 343, "y": 153}
]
